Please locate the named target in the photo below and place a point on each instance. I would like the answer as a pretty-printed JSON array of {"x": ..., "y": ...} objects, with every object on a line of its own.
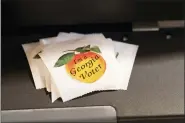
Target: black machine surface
[{"x": 156, "y": 87}]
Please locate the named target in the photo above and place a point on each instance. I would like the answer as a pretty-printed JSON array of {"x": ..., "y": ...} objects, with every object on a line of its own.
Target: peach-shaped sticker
[{"x": 84, "y": 63}]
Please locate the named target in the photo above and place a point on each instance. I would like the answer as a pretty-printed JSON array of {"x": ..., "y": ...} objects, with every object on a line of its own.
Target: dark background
[{"x": 54, "y": 14}]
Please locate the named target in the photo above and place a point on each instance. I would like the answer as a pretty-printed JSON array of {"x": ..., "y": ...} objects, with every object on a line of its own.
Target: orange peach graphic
[{"x": 86, "y": 66}]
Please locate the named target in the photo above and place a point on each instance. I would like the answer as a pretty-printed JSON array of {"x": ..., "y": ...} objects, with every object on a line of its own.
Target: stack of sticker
[{"x": 71, "y": 64}]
